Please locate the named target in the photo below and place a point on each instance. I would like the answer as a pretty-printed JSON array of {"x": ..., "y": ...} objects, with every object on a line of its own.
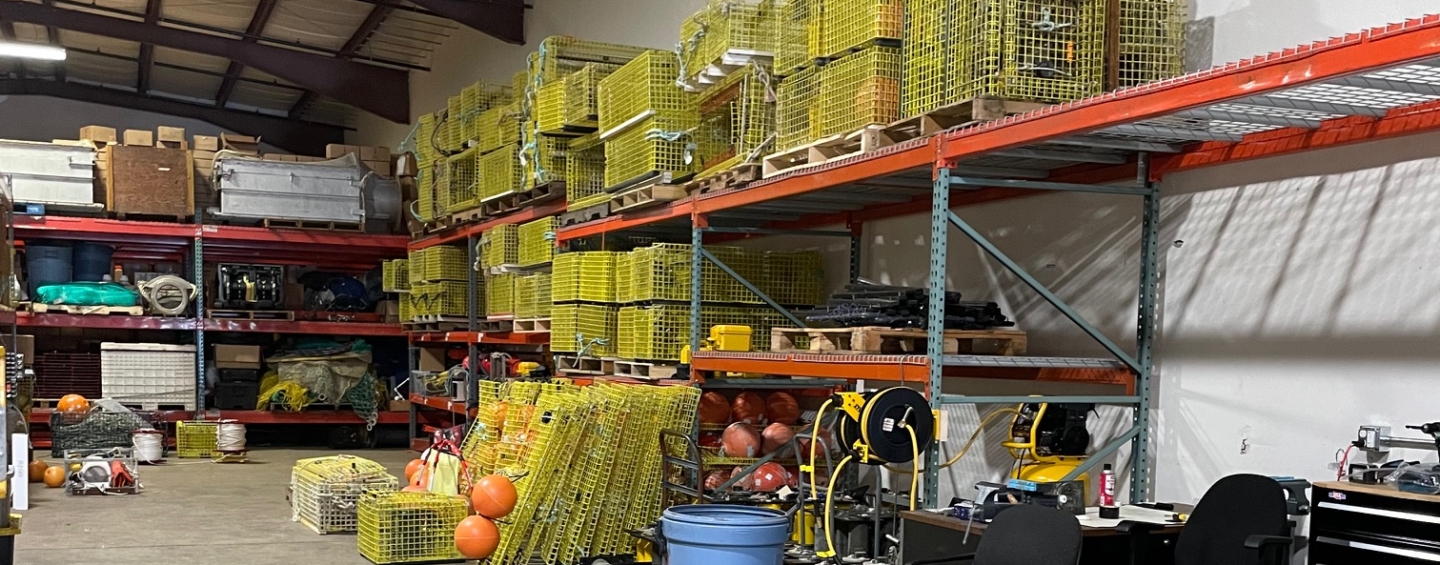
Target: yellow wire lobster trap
[
  {"x": 324, "y": 491},
  {"x": 571, "y": 106},
  {"x": 650, "y": 149},
  {"x": 500, "y": 294},
  {"x": 661, "y": 331},
  {"x": 1152, "y": 41},
  {"x": 585, "y": 276},
  {"x": 588, "y": 327},
  {"x": 196, "y": 439},
  {"x": 500, "y": 172},
  {"x": 408, "y": 527},
  {"x": 737, "y": 120},
  {"x": 407, "y": 308},
  {"x": 644, "y": 90},
  {"x": 500, "y": 246},
  {"x": 475, "y": 100},
  {"x": 726, "y": 33},
  {"x": 860, "y": 89},
  {"x": 797, "y": 115},
  {"x": 533, "y": 296},
  {"x": 797, "y": 35},
  {"x": 537, "y": 241},
  {"x": 438, "y": 263},
  {"x": 444, "y": 298},
  {"x": 559, "y": 56},
  {"x": 545, "y": 160},
  {"x": 853, "y": 24},
  {"x": 464, "y": 181},
  {"x": 498, "y": 127},
  {"x": 661, "y": 272},
  {"x": 585, "y": 173},
  {"x": 395, "y": 275}
]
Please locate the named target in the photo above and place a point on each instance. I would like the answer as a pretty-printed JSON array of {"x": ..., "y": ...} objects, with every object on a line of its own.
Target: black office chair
[
  {"x": 1024, "y": 535},
  {"x": 1241, "y": 520}
]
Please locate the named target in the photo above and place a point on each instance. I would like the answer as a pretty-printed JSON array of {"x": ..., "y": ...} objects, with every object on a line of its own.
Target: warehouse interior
[{"x": 562, "y": 281}]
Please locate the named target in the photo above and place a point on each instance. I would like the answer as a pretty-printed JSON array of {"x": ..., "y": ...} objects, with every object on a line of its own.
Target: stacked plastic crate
[
  {"x": 647, "y": 121},
  {"x": 500, "y": 248},
  {"x": 395, "y": 279},
  {"x": 1017, "y": 50},
  {"x": 438, "y": 282},
  {"x": 584, "y": 313}
]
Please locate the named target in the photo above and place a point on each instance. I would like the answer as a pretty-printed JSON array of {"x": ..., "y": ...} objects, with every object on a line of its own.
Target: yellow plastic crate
[
  {"x": 325, "y": 490},
  {"x": 727, "y": 29},
  {"x": 500, "y": 294},
  {"x": 464, "y": 188},
  {"x": 444, "y": 298},
  {"x": 796, "y": 110},
  {"x": 649, "y": 148},
  {"x": 659, "y": 332},
  {"x": 409, "y": 527},
  {"x": 545, "y": 161},
  {"x": 736, "y": 121},
  {"x": 661, "y": 272},
  {"x": 499, "y": 246},
  {"x": 585, "y": 172},
  {"x": 1152, "y": 41},
  {"x": 407, "y": 308},
  {"x": 588, "y": 326},
  {"x": 587, "y": 276},
  {"x": 851, "y": 24},
  {"x": 533, "y": 296},
  {"x": 645, "y": 90},
  {"x": 500, "y": 172},
  {"x": 438, "y": 263},
  {"x": 861, "y": 89},
  {"x": 395, "y": 275},
  {"x": 196, "y": 439},
  {"x": 537, "y": 241}
]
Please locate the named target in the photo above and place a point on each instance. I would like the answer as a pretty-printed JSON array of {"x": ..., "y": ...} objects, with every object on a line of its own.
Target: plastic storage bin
[{"x": 149, "y": 374}]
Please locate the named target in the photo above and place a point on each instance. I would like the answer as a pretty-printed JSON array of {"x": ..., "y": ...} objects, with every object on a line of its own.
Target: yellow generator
[{"x": 1050, "y": 441}]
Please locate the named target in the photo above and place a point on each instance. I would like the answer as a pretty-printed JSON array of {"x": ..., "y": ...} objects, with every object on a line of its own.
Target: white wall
[
  {"x": 468, "y": 55},
  {"x": 43, "y": 118}
]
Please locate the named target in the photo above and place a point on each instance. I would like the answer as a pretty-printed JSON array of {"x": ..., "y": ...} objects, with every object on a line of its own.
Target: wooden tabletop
[
  {"x": 1381, "y": 490},
  {"x": 978, "y": 528}
]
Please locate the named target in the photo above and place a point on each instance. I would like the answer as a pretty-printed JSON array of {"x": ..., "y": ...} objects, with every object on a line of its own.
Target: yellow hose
[
  {"x": 814, "y": 437},
  {"x": 829, "y": 506},
  {"x": 968, "y": 444},
  {"x": 914, "y": 464}
]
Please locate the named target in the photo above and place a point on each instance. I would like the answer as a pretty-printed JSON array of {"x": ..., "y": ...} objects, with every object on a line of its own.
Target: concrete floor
[{"x": 191, "y": 513}]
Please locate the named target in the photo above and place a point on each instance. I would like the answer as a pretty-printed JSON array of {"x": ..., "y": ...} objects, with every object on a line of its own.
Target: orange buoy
[
  {"x": 476, "y": 537},
  {"x": 493, "y": 496},
  {"x": 413, "y": 488},
  {"x": 73, "y": 404},
  {"x": 37, "y": 470},
  {"x": 54, "y": 476},
  {"x": 414, "y": 466}
]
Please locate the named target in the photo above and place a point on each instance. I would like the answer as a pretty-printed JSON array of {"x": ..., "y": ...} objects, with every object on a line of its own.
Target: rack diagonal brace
[
  {"x": 751, "y": 287},
  {"x": 1102, "y": 454},
  {"x": 1044, "y": 292},
  {"x": 1042, "y": 185}
]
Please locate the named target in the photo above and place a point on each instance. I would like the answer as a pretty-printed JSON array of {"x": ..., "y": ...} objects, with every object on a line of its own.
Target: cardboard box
[
  {"x": 380, "y": 167},
  {"x": 430, "y": 359},
  {"x": 374, "y": 153},
  {"x": 245, "y": 144},
  {"x": 139, "y": 138},
  {"x": 389, "y": 311},
  {"x": 182, "y": 144},
  {"x": 170, "y": 134},
  {"x": 238, "y": 356},
  {"x": 338, "y": 150},
  {"x": 205, "y": 143},
  {"x": 405, "y": 165},
  {"x": 274, "y": 157},
  {"x": 398, "y": 405},
  {"x": 98, "y": 134},
  {"x": 23, "y": 344},
  {"x": 202, "y": 155}
]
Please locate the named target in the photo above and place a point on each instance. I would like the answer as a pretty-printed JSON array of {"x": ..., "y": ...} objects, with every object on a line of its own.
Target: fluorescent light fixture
[{"x": 31, "y": 51}]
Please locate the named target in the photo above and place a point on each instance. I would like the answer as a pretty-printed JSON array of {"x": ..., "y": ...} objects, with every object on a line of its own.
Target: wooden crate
[{"x": 149, "y": 181}]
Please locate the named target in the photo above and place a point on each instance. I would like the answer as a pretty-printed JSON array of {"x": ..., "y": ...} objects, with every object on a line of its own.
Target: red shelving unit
[
  {"x": 503, "y": 338},
  {"x": 443, "y": 404}
]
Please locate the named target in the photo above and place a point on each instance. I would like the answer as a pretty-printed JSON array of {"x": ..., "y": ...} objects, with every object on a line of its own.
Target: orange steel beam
[
  {"x": 519, "y": 216},
  {"x": 678, "y": 209},
  {"x": 1397, "y": 44},
  {"x": 885, "y": 370},
  {"x": 915, "y": 156}
]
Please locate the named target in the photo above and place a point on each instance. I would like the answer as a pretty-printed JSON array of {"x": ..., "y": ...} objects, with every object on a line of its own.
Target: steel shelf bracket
[
  {"x": 1145, "y": 330},
  {"x": 198, "y": 270},
  {"x": 935, "y": 317},
  {"x": 472, "y": 320},
  {"x": 697, "y": 248}
]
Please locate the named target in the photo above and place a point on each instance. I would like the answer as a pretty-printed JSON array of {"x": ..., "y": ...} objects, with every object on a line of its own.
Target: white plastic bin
[{"x": 152, "y": 375}]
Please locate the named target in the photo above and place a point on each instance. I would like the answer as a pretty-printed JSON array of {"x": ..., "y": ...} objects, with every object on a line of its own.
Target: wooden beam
[
  {"x": 263, "y": 10},
  {"x": 362, "y": 33},
  {"x": 501, "y": 19},
  {"x": 147, "y": 50},
  {"x": 54, "y": 36}
]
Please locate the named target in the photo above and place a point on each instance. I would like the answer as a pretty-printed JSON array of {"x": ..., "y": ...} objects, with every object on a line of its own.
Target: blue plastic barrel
[
  {"x": 92, "y": 261},
  {"x": 715, "y": 534},
  {"x": 46, "y": 263}
]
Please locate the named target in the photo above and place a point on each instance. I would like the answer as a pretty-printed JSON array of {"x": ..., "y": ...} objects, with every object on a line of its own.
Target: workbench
[
  {"x": 1357, "y": 524},
  {"x": 929, "y": 535}
]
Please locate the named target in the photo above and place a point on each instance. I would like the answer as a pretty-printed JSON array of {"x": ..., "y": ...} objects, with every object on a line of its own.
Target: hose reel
[
  {"x": 167, "y": 295},
  {"x": 875, "y": 427}
]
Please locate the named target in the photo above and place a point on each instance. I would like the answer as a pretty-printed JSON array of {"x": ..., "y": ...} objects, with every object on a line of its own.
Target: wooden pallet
[
  {"x": 583, "y": 215},
  {"x": 827, "y": 149},
  {"x": 435, "y": 324},
  {"x": 572, "y": 365},
  {"x": 499, "y": 325},
  {"x": 651, "y": 178},
  {"x": 466, "y": 216},
  {"x": 41, "y": 308},
  {"x": 874, "y": 340},
  {"x": 285, "y": 315},
  {"x": 733, "y": 177},
  {"x": 123, "y": 216},
  {"x": 972, "y": 111},
  {"x": 502, "y": 204},
  {"x": 644, "y": 370},
  {"x": 544, "y": 193},
  {"x": 645, "y": 197},
  {"x": 535, "y": 325},
  {"x": 273, "y": 223}
]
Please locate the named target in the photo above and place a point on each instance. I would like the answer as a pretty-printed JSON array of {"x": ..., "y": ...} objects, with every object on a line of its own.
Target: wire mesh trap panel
[
  {"x": 545, "y": 160},
  {"x": 500, "y": 245},
  {"x": 464, "y": 181},
  {"x": 585, "y": 172},
  {"x": 560, "y": 56},
  {"x": 499, "y": 126},
  {"x": 532, "y": 296},
  {"x": 737, "y": 119},
  {"x": 649, "y": 148},
  {"x": 659, "y": 332},
  {"x": 196, "y": 439},
  {"x": 591, "y": 327},
  {"x": 571, "y": 105},
  {"x": 395, "y": 275},
  {"x": 501, "y": 172},
  {"x": 94, "y": 430},
  {"x": 800, "y": 22},
  {"x": 736, "y": 30},
  {"x": 1152, "y": 41},
  {"x": 500, "y": 294},
  {"x": 537, "y": 241},
  {"x": 408, "y": 527},
  {"x": 796, "y": 111},
  {"x": 585, "y": 276},
  {"x": 438, "y": 263},
  {"x": 860, "y": 89},
  {"x": 326, "y": 490},
  {"x": 1027, "y": 50},
  {"x": 852, "y": 24},
  {"x": 444, "y": 298},
  {"x": 646, "y": 87}
]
